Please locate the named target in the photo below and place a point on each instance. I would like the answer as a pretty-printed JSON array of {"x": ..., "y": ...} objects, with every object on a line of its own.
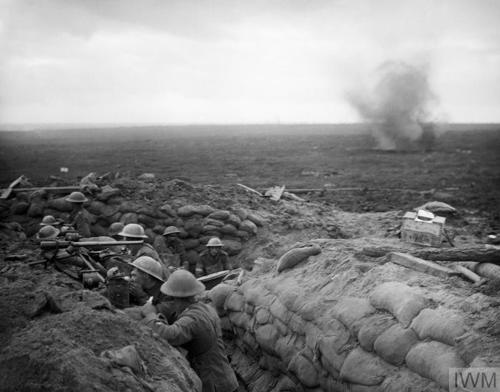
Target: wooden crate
[{"x": 423, "y": 228}]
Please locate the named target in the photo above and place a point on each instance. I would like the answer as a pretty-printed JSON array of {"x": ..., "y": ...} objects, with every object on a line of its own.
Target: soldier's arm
[
  {"x": 225, "y": 262},
  {"x": 176, "y": 334}
]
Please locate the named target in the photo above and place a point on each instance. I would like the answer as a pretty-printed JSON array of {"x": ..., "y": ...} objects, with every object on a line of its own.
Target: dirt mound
[{"x": 55, "y": 335}]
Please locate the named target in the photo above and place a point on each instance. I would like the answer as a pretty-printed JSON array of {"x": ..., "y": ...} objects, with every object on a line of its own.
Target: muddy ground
[{"x": 61, "y": 332}]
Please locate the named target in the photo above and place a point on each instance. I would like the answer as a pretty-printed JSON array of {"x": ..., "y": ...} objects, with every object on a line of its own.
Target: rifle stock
[{"x": 89, "y": 244}]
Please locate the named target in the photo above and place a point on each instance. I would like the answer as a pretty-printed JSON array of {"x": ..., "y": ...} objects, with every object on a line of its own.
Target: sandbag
[
  {"x": 437, "y": 207},
  {"x": 403, "y": 301},
  {"x": 259, "y": 221},
  {"x": 232, "y": 247},
  {"x": 210, "y": 229},
  {"x": 393, "y": 344},
  {"x": 189, "y": 210},
  {"x": 235, "y": 302},
  {"x": 60, "y": 204},
  {"x": 220, "y": 215},
  {"x": 213, "y": 222},
  {"x": 372, "y": 328},
  {"x": 262, "y": 316},
  {"x": 350, "y": 309},
  {"x": 286, "y": 349},
  {"x": 280, "y": 311},
  {"x": 228, "y": 229},
  {"x": 218, "y": 295},
  {"x": 129, "y": 217},
  {"x": 294, "y": 256},
  {"x": 361, "y": 367},
  {"x": 332, "y": 349},
  {"x": 240, "y": 319},
  {"x": 241, "y": 213},
  {"x": 304, "y": 370},
  {"x": 433, "y": 361},
  {"x": 266, "y": 336},
  {"x": 439, "y": 324},
  {"x": 107, "y": 192},
  {"x": 248, "y": 226},
  {"x": 20, "y": 208},
  {"x": 191, "y": 243},
  {"x": 193, "y": 227},
  {"x": 234, "y": 220}
]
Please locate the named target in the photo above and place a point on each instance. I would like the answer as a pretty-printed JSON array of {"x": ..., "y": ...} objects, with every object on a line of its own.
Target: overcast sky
[{"x": 196, "y": 61}]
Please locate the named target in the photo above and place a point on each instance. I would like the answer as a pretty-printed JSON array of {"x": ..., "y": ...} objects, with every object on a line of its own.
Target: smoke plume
[{"x": 397, "y": 107}]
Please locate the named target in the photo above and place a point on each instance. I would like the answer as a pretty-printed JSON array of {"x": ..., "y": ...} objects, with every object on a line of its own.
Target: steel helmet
[
  {"x": 182, "y": 284},
  {"x": 150, "y": 266},
  {"x": 49, "y": 220},
  {"x": 214, "y": 242},
  {"x": 47, "y": 233},
  {"x": 171, "y": 230},
  {"x": 133, "y": 230},
  {"x": 76, "y": 197},
  {"x": 116, "y": 228}
]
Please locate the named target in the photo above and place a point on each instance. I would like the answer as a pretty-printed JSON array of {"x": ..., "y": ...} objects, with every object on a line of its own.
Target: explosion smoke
[{"x": 397, "y": 107}]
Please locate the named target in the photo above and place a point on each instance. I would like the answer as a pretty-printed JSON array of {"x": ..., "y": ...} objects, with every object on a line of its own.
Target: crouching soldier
[
  {"x": 135, "y": 232},
  {"x": 196, "y": 329},
  {"x": 214, "y": 259},
  {"x": 145, "y": 281}
]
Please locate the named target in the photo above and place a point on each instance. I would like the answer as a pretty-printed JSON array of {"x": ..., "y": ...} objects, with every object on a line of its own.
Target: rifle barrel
[{"x": 106, "y": 243}]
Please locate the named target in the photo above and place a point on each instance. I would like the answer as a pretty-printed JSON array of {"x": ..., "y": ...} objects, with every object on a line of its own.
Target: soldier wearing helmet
[
  {"x": 214, "y": 259},
  {"x": 49, "y": 220},
  {"x": 135, "y": 232},
  {"x": 196, "y": 328},
  {"x": 146, "y": 279},
  {"x": 79, "y": 217},
  {"x": 176, "y": 253},
  {"x": 115, "y": 229}
]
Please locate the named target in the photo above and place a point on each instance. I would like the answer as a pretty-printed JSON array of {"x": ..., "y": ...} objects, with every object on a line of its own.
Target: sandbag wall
[
  {"x": 390, "y": 340},
  {"x": 197, "y": 223}
]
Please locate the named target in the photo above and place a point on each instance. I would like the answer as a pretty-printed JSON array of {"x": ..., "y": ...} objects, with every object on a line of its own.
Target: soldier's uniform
[
  {"x": 211, "y": 264},
  {"x": 197, "y": 330},
  {"x": 148, "y": 250},
  {"x": 80, "y": 220}
]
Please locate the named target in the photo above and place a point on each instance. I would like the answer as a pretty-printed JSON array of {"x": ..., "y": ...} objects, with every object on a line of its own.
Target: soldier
[
  {"x": 214, "y": 259},
  {"x": 196, "y": 328},
  {"x": 175, "y": 247},
  {"x": 49, "y": 220},
  {"x": 146, "y": 279},
  {"x": 115, "y": 229},
  {"x": 135, "y": 232},
  {"x": 79, "y": 217}
]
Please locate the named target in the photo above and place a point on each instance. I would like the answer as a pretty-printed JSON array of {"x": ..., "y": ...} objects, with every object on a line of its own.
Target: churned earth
[{"x": 306, "y": 328}]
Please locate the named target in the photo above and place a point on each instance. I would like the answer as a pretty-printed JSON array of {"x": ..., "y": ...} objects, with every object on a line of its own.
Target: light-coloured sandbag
[
  {"x": 266, "y": 336},
  {"x": 220, "y": 215},
  {"x": 361, "y": 367},
  {"x": 235, "y": 302},
  {"x": 403, "y": 301},
  {"x": 218, "y": 295},
  {"x": 248, "y": 226},
  {"x": 351, "y": 309},
  {"x": 294, "y": 256},
  {"x": 240, "y": 319},
  {"x": 439, "y": 324},
  {"x": 372, "y": 328},
  {"x": 433, "y": 360},
  {"x": 304, "y": 370},
  {"x": 258, "y": 220},
  {"x": 189, "y": 210},
  {"x": 393, "y": 344}
]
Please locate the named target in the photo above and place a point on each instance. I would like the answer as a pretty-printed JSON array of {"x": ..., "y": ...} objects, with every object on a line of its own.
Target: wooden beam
[
  {"x": 421, "y": 265},
  {"x": 50, "y": 189},
  {"x": 6, "y": 192}
]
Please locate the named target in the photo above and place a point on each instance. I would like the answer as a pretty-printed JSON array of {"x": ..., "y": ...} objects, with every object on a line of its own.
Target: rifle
[{"x": 56, "y": 244}]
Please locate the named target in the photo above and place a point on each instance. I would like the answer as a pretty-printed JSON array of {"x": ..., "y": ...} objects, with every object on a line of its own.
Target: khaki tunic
[
  {"x": 198, "y": 331},
  {"x": 81, "y": 222},
  {"x": 211, "y": 264}
]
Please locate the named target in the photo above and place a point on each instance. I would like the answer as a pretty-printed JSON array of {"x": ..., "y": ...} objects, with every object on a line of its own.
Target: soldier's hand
[
  {"x": 147, "y": 309},
  {"x": 112, "y": 272}
]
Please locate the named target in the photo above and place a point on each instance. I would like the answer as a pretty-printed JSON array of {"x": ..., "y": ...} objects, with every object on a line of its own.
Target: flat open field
[{"x": 464, "y": 166}]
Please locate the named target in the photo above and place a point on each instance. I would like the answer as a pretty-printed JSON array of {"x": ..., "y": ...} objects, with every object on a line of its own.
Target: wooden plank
[
  {"x": 6, "y": 192},
  {"x": 50, "y": 189},
  {"x": 421, "y": 265},
  {"x": 247, "y": 188}
]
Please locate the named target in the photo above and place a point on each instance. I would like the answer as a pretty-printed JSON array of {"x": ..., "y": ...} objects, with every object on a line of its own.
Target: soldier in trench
[
  {"x": 196, "y": 328},
  {"x": 214, "y": 259},
  {"x": 79, "y": 216}
]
